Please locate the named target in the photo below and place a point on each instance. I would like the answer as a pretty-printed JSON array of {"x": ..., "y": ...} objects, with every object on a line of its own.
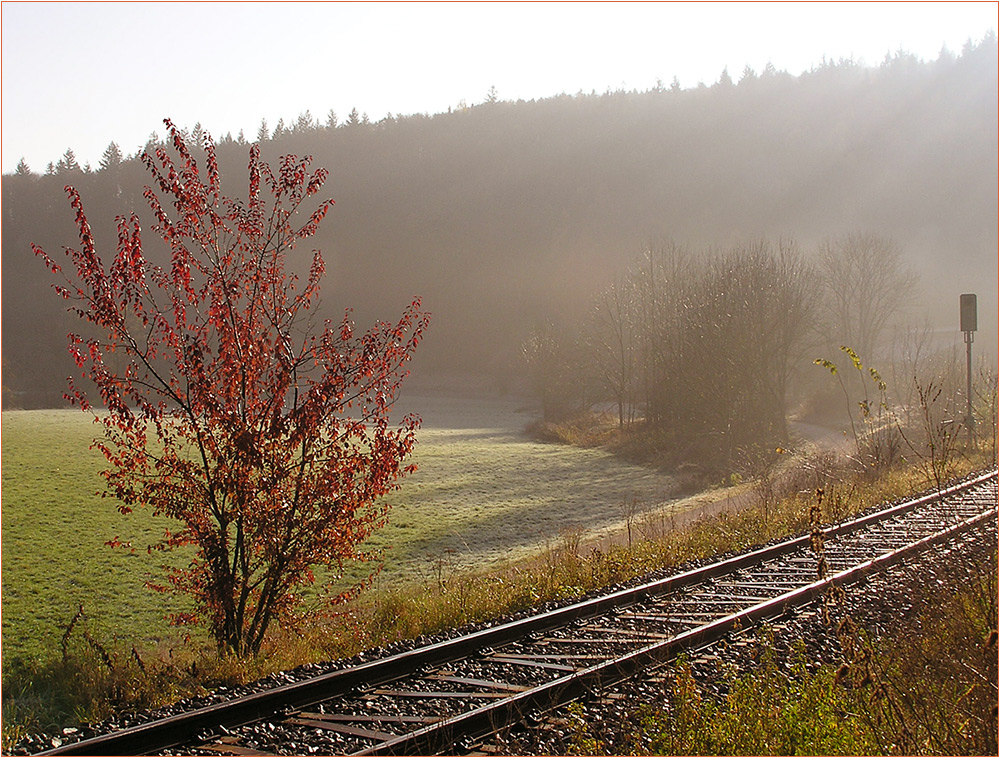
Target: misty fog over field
[{"x": 506, "y": 216}]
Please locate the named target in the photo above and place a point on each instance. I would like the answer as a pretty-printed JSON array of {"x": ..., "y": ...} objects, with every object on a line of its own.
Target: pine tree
[
  {"x": 68, "y": 162},
  {"x": 331, "y": 119},
  {"x": 262, "y": 133},
  {"x": 111, "y": 159},
  {"x": 22, "y": 168},
  {"x": 304, "y": 123}
]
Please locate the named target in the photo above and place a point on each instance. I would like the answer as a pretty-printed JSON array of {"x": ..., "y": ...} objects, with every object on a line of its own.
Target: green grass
[
  {"x": 483, "y": 495},
  {"x": 54, "y": 529},
  {"x": 772, "y": 711}
]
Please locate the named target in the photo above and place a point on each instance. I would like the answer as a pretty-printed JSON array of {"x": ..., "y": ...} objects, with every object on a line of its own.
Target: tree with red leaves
[{"x": 227, "y": 408}]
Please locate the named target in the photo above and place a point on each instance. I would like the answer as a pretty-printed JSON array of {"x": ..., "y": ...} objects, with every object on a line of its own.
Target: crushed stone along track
[
  {"x": 886, "y": 605},
  {"x": 443, "y": 697}
]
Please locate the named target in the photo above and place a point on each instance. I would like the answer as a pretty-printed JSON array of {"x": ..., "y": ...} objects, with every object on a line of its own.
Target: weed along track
[{"x": 443, "y": 697}]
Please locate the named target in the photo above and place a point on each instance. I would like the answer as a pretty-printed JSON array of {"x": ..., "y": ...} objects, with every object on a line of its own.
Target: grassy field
[
  {"x": 54, "y": 527},
  {"x": 484, "y": 494}
]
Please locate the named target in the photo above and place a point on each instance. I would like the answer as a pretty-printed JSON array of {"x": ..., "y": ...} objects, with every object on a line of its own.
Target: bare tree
[
  {"x": 708, "y": 343},
  {"x": 911, "y": 354},
  {"x": 866, "y": 285},
  {"x": 744, "y": 331},
  {"x": 663, "y": 280},
  {"x": 555, "y": 363},
  {"x": 614, "y": 344}
]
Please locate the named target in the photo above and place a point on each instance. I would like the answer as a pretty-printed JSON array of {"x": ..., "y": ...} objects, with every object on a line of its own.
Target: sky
[{"x": 81, "y": 75}]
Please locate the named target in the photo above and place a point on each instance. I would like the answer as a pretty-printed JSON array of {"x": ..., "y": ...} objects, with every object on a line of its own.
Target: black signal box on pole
[{"x": 968, "y": 305}]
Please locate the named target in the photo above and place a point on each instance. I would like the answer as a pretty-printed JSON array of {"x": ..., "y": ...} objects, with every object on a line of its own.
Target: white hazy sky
[{"x": 79, "y": 75}]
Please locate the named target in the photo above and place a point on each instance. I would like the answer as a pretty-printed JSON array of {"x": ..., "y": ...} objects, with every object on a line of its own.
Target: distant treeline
[{"x": 507, "y": 215}]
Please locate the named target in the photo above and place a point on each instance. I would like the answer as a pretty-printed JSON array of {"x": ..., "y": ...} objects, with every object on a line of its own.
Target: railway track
[{"x": 442, "y": 696}]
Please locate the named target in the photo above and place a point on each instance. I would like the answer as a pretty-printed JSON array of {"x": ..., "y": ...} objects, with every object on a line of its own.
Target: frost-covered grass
[{"x": 484, "y": 493}]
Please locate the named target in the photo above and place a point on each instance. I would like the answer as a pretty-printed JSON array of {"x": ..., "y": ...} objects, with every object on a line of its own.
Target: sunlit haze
[{"x": 80, "y": 75}]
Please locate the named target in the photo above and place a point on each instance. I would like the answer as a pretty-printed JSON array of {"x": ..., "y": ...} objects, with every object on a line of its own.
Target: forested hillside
[{"x": 504, "y": 215}]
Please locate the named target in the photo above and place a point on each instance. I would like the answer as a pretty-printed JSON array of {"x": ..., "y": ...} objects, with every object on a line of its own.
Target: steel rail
[
  {"x": 488, "y": 719},
  {"x": 177, "y": 730}
]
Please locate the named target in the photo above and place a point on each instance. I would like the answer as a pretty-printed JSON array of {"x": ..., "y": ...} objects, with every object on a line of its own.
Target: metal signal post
[{"x": 968, "y": 322}]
